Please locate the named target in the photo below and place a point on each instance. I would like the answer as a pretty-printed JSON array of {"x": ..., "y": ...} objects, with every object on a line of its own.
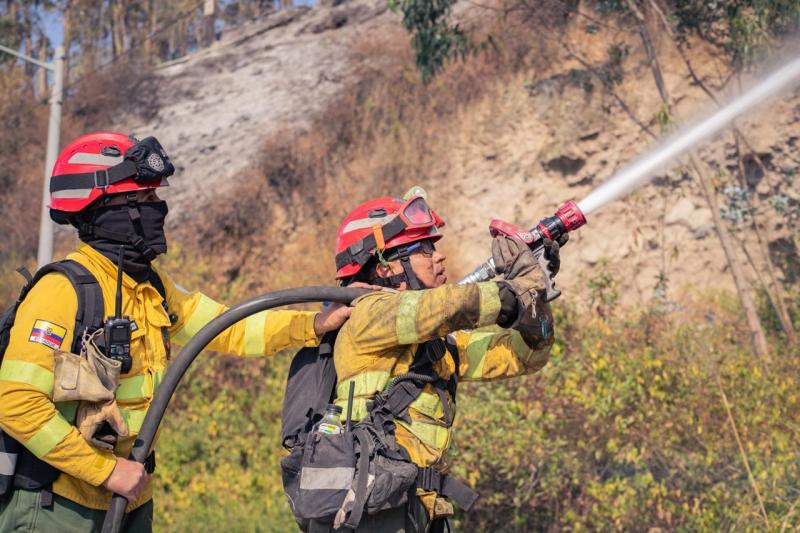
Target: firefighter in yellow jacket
[
  {"x": 493, "y": 330},
  {"x": 104, "y": 185}
]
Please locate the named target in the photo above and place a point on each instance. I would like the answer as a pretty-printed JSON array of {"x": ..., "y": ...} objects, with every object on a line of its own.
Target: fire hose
[{"x": 568, "y": 218}]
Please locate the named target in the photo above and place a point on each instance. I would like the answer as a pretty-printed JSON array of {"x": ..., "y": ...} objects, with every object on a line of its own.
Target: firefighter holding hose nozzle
[
  {"x": 88, "y": 341},
  {"x": 399, "y": 360}
]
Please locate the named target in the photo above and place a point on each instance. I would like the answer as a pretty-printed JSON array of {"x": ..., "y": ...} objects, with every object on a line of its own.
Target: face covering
[{"x": 142, "y": 237}]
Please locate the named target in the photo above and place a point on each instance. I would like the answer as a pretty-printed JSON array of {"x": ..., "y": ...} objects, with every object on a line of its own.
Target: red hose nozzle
[{"x": 571, "y": 216}]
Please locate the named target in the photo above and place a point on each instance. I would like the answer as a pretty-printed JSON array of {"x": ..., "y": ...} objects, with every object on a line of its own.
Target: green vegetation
[
  {"x": 435, "y": 38},
  {"x": 625, "y": 429}
]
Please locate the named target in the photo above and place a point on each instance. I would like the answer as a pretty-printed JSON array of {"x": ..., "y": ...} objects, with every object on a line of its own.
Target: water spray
[
  {"x": 643, "y": 169},
  {"x": 571, "y": 215}
]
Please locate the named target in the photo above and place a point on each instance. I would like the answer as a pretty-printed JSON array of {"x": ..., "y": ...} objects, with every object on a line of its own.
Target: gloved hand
[
  {"x": 533, "y": 320},
  {"x": 552, "y": 253},
  {"x": 512, "y": 257},
  {"x": 91, "y": 418}
]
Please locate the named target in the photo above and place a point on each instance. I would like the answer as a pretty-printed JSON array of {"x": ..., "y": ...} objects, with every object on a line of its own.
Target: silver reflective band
[
  {"x": 326, "y": 478},
  {"x": 84, "y": 158},
  {"x": 366, "y": 223},
  {"x": 72, "y": 193},
  {"x": 8, "y": 463}
]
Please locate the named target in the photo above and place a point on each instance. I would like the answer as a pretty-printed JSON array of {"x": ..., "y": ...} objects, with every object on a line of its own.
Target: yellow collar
[{"x": 102, "y": 264}]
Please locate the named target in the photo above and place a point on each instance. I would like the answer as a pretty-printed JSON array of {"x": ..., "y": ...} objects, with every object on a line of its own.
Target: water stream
[{"x": 641, "y": 170}]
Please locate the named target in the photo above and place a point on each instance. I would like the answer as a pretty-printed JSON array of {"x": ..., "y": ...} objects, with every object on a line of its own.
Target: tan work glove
[
  {"x": 91, "y": 418},
  {"x": 91, "y": 378},
  {"x": 525, "y": 279},
  {"x": 512, "y": 257}
]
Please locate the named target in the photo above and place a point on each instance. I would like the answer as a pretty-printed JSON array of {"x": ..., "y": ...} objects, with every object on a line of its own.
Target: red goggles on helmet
[{"x": 413, "y": 214}]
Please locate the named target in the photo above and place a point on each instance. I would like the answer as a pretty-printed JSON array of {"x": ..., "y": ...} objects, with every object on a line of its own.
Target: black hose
[{"x": 176, "y": 370}]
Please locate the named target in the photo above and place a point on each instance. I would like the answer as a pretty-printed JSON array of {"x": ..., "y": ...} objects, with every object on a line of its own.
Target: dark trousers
[{"x": 23, "y": 511}]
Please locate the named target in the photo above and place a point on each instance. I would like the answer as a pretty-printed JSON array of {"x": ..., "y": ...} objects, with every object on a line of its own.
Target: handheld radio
[{"x": 117, "y": 328}]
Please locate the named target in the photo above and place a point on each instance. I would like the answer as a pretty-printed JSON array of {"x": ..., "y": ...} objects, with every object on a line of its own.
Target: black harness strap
[
  {"x": 430, "y": 479},
  {"x": 393, "y": 404},
  {"x": 98, "y": 179}
]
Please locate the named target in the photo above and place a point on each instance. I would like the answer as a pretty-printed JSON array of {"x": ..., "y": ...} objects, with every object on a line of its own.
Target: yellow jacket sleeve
[
  {"x": 383, "y": 320},
  {"x": 27, "y": 411},
  {"x": 494, "y": 353},
  {"x": 264, "y": 333}
]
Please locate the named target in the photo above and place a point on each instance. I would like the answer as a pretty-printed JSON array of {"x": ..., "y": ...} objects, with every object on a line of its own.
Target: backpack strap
[
  {"x": 90, "y": 296},
  {"x": 155, "y": 281}
]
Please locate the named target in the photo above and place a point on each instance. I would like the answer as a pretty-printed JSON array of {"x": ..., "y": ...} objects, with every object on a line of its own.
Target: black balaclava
[{"x": 137, "y": 226}]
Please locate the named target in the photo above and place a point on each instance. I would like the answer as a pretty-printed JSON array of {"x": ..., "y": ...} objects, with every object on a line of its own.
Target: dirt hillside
[{"x": 515, "y": 152}]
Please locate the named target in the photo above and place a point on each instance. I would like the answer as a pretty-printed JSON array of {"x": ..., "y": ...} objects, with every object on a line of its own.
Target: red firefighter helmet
[
  {"x": 101, "y": 164},
  {"x": 382, "y": 224}
]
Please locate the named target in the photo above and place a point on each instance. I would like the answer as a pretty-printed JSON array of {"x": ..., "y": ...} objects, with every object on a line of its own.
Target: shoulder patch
[{"x": 47, "y": 333}]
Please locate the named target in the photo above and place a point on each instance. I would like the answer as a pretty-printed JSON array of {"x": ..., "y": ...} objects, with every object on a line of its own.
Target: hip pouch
[
  {"x": 337, "y": 478},
  {"x": 327, "y": 469}
]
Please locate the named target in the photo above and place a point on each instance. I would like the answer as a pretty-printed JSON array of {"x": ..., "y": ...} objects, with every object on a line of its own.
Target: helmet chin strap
[{"x": 408, "y": 275}]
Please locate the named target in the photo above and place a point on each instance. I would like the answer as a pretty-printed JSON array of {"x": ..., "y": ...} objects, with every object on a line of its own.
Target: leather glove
[
  {"x": 552, "y": 253},
  {"x": 534, "y": 319},
  {"x": 92, "y": 416},
  {"x": 512, "y": 257}
]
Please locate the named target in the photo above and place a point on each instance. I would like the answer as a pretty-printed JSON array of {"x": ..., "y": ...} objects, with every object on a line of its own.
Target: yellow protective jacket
[
  {"x": 380, "y": 339},
  {"x": 27, "y": 411}
]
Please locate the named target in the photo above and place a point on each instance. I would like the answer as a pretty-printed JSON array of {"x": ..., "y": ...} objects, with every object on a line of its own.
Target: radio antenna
[{"x": 118, "y": 301}]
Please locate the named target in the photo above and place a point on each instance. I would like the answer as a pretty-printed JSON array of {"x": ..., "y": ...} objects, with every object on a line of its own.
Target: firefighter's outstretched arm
[
  {"x": 264, "y": 333},
  {"x": 521, "y": 342}
]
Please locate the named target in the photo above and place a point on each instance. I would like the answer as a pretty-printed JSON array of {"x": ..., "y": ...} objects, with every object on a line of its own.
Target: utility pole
[{"x": 45, "y": 253}]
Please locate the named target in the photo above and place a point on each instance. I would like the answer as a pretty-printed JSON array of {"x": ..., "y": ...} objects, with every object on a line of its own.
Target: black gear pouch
[
  {"x": 151, "y": 160},
  {"x": 327, "y": 469}
]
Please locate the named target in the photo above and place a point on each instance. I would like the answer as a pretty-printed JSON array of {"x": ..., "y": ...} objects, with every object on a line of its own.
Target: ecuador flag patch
[{"x": 47, "y": 333}]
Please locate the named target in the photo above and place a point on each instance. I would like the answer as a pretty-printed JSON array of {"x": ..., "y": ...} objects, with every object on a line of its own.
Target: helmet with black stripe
[{"x": 101, "y": 164}]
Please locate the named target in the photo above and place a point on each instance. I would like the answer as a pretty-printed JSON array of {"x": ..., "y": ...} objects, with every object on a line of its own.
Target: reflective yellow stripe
[
  {"x": 68, "y": 410},
  {"x": 367, "y": 385},
  {"x": 430, "y": 434},
  {"x": 489, "y": 303},
  {"x": 407, "y": 317},
  {"x": 135, "y": 388},
  {"x": 254, "y": 326},
  {"x": 158, "y": 377},
  {"x": 28, "y": 373},
  {"x": 476, "y": 353},
  {"x": 203, "y": 313},
  {"x": 429, "y": 404},
  {"x": 48, "y": 436},
  {"x": 133, "y": 418}
]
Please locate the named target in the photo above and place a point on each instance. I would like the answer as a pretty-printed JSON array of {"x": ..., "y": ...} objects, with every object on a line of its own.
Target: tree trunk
[
  {"x": 777, "y": 295},
  {"x": 754, "y": 324},
  {"x": 209, "y": 16},
  {"x": 67, "y": 39},
  {"x": 117, "y": 27},
  {"x": 757, "y": 336},
  {"x": 41, "y": 89}
]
